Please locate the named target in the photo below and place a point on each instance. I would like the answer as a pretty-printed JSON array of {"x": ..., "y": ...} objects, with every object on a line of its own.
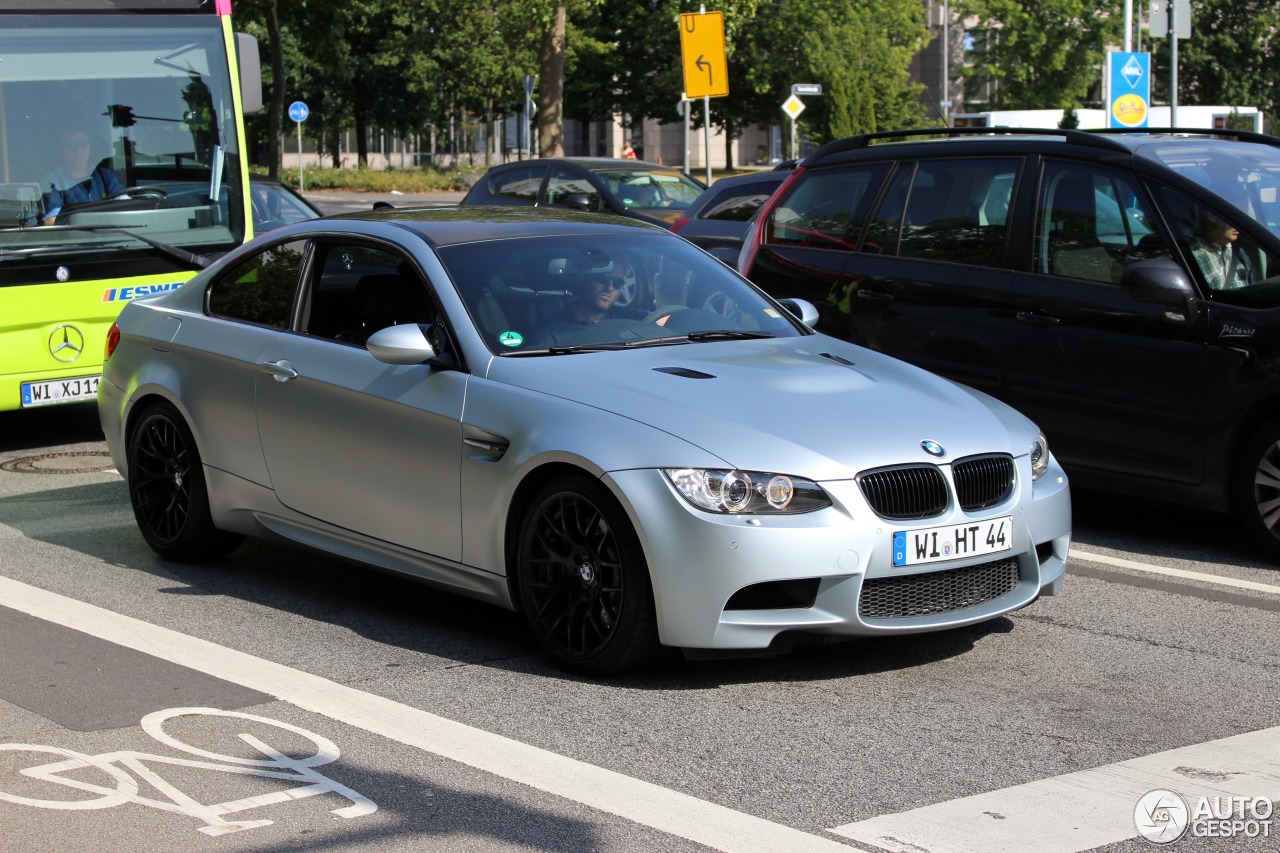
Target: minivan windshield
[
  {"x": 1245, "y": 175},
  {"x": 564, "y": 294}
]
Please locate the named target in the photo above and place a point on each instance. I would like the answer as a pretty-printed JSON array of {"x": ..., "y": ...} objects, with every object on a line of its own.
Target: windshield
[
  {"x": 1245, "y": 175},
  {"x": 124, "y": 121},
  {"x": 651, "y": 190},
  {"x": 547, "y": 295}
]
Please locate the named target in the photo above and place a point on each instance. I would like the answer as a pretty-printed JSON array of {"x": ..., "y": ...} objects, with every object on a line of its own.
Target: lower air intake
[{"x": 937, "y": 592}]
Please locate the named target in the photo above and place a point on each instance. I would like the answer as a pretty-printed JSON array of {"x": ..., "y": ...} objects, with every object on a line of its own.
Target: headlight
[
  {"x": 1039, "y": 456},
  {"x": 747, "y": 492}
]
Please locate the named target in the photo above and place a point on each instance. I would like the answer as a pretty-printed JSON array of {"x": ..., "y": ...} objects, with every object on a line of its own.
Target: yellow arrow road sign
[{"x": 706, "y": 72}]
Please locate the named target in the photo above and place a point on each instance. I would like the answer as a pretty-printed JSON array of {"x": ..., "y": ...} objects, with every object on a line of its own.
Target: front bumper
[{"x": 699, "y": 560}]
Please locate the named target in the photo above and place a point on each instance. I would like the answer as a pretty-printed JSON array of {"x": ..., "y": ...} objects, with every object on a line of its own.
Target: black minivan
[{"x": 1122, "y": 289}]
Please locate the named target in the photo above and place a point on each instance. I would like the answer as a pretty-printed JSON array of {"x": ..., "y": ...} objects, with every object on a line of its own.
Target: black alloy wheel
[
  {"x": 167, "y": 489},
  {"x": 584, "y": 585}
]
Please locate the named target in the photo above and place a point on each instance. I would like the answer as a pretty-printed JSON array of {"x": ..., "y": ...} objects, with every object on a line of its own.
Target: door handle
[
  {"x": 281, "y": 371},
  {"x": 875, "y": 296},
  {"x": 1036, "y": 319}
]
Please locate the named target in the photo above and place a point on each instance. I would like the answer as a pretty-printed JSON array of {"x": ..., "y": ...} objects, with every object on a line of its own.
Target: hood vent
[
  {"x": 684, "y": 372},
  {"x": 838, "y": 359}
]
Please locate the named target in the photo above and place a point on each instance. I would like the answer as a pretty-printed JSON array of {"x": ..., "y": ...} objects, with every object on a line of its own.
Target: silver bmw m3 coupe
[{"x": 583, "y": 418}]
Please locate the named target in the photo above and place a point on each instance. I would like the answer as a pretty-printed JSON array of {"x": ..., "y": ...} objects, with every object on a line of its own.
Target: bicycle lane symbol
[{"x": 120, "y": 765}]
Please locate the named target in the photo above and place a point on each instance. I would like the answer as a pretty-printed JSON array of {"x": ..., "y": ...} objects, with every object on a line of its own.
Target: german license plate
[
  {"x": 55, "y": 391},
  {"x": 952, "y": 542}
]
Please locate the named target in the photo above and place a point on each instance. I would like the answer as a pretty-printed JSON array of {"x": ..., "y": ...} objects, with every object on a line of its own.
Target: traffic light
[{"x": 122, "y": 116}]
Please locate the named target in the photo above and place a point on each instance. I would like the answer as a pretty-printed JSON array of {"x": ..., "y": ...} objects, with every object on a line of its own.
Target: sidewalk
[{"x": 343, "y": 201}]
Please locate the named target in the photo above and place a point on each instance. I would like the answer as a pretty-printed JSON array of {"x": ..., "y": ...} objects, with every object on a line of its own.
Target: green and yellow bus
[{"x": 122, "y": 172}]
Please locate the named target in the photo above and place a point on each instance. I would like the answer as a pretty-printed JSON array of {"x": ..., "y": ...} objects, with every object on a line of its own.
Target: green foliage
[
  {"x": 1039, "y": 54},
  {"x": 380, "y": 180},
  {"x": 1232, "y": 57}
]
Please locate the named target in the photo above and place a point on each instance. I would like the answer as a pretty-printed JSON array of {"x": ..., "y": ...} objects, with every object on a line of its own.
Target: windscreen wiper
[
  {"x": 709, "y": 335},
  {"x": 727, "y": 335},
  {"x": 180, "y": 255}
]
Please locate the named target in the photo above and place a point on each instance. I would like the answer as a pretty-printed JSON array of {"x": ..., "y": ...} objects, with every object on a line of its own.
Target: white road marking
[
  {"x": 641, "y": 802},
  {"x": 276, "y": 765},
  {"x": 1090, "y": 557},
  {"x": 1079, "y": 811}
]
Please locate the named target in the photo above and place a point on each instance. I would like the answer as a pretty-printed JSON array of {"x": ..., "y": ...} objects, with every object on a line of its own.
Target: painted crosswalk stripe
[{"x": 1080, "y": 811}]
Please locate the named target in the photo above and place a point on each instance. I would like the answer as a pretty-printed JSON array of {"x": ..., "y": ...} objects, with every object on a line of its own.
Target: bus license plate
[
  {"x": 55, "y": 391},
  {"x": 952, "y": 542}
]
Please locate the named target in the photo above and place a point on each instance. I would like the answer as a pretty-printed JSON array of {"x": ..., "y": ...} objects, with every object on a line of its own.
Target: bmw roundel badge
[{"x": 933, "y": 448}]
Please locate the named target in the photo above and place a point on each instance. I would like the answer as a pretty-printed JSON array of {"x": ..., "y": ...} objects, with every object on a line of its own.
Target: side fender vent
[{"x": 684, "y": 372}]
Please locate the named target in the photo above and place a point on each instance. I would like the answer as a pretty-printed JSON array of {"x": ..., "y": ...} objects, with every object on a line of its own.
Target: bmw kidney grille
[{"x": 920, "y": 491}]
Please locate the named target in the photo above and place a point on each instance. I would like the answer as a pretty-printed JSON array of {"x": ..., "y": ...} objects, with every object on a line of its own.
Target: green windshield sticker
[{"x": 510, "y": 339}]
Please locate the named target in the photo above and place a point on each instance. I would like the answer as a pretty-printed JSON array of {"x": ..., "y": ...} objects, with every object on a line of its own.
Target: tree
[
  {"x": 858, "y": 51},
  {"x": 1232, "y": 57},
  {"x": 1039, "y": 54},
  {"x": 262, "y": 19}
]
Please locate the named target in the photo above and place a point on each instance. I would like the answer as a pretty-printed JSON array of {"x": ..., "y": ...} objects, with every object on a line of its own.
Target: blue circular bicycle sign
[{"x": 298, "y": 111}]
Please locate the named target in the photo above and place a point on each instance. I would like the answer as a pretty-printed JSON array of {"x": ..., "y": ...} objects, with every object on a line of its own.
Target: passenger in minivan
[{"x": 1224, "y": 266}]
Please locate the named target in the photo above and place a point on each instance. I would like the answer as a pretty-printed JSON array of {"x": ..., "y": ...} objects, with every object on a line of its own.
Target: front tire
[
  {"x": 1258, "y": 488},
  {"x": 167, "y": 489},
  {"x": 584, "y": 585}
]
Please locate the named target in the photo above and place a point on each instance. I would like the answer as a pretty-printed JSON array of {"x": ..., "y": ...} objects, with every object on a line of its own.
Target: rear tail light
[
  {"x": 113, "y": 338},
  {"x": 760, "y": 223},
  {"x": 680, "y": 222}
]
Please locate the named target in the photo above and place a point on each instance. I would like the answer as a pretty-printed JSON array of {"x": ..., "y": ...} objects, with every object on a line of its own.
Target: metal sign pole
[
  {"x": 706, "y": 115},
  {"x": 298, "y": 112},
  {"x": 1173, "y": 63},
  {"x": 684, "y": 108}
]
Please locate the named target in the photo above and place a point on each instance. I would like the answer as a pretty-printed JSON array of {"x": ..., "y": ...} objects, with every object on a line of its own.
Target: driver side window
[{"x": 1227, "y": 263}]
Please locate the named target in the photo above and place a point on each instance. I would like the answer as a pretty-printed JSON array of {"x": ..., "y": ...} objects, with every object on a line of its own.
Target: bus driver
[{"x": 76, "y": 180}]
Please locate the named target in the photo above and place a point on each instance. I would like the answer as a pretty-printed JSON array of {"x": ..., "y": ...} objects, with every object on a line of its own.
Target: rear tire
[
  {"x": 1257, "y": 488},
  {"x": 167, "y": 489},
  {"x": 584, "y": 585}
]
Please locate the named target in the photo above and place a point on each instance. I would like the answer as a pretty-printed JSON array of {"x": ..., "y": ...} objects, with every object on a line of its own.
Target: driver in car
[
  {"x": 75, "y": 180},
  {"x": 593, "y": 301}
]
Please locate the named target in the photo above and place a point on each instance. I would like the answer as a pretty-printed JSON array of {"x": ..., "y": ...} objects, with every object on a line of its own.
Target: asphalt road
[{"x": 350, "y": 710}]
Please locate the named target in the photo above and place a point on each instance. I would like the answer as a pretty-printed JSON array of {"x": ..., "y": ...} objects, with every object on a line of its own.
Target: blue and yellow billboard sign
[{"x": 1128, "y": 89}]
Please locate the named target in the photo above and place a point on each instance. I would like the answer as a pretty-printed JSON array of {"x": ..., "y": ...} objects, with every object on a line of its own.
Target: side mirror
[
  {"x": 406, "y": 344},
  {"x": 1163, "y": 282},
  {"x": 578, "y": 201},
  {"x": 802, "y": 309},
  {"x": 250, "y": 73}
]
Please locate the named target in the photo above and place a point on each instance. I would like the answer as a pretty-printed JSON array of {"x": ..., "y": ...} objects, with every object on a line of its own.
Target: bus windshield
[{"x": 117, "y": 135}]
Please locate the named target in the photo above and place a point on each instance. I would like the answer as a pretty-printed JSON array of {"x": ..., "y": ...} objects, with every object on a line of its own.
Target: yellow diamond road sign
[
  {"x": 793, "y": 106},
  {"x": 706, "y": 73}
]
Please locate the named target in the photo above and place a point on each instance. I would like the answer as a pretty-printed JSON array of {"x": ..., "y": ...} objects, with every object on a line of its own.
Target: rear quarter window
[
  {"x": 260, "y": 288},
  {"x": 827, "y": 207}
]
